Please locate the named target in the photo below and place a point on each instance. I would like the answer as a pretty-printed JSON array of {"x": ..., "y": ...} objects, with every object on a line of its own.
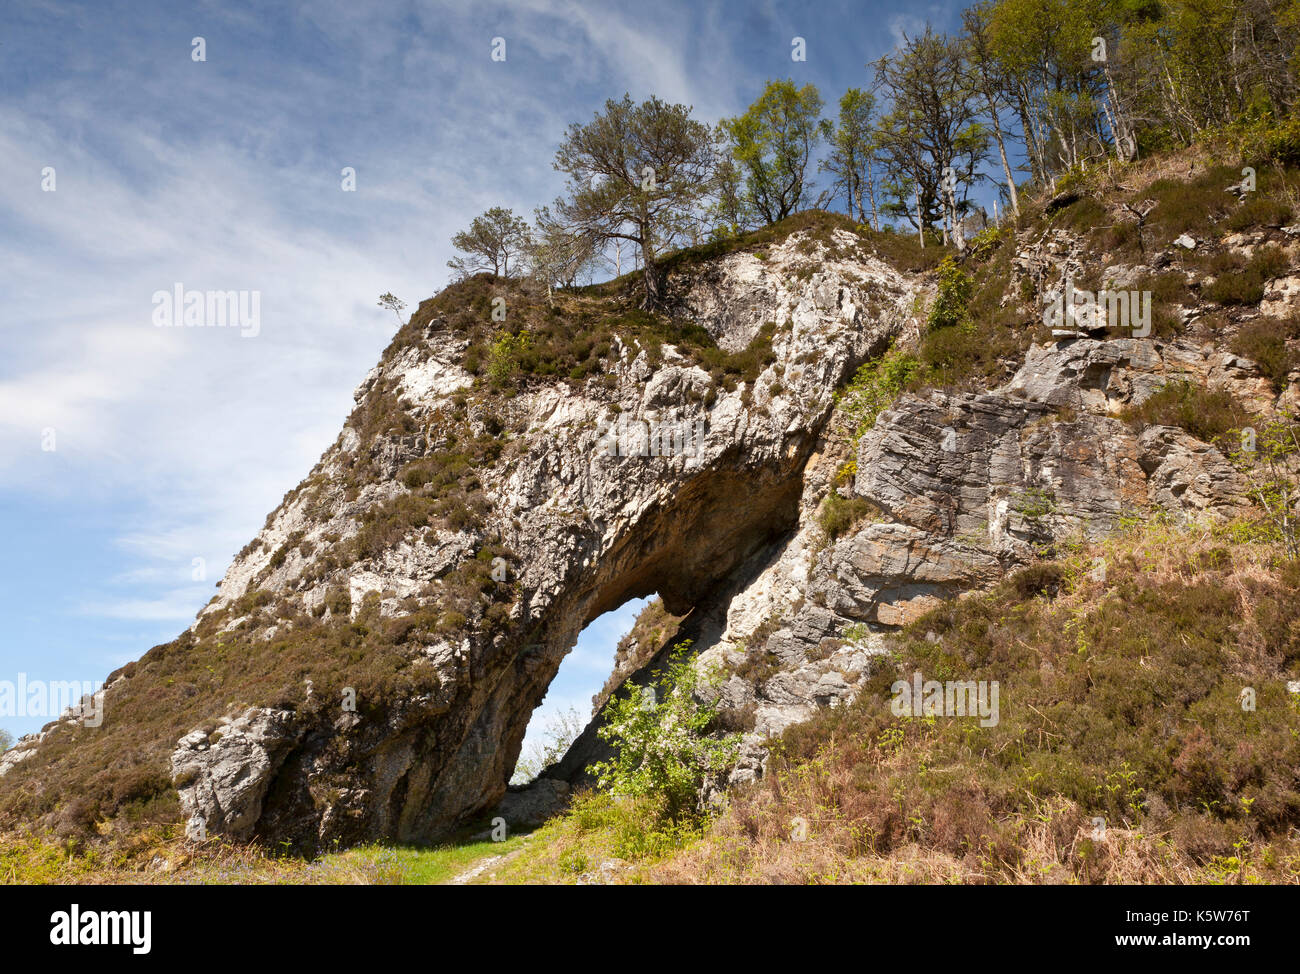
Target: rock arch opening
[
  {"x": 605, "y": 648},
  {"x": 691, "y": 550}
]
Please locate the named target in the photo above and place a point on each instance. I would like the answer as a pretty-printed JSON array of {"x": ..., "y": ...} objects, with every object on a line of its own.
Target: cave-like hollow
[{"x": 696, "y": 553}]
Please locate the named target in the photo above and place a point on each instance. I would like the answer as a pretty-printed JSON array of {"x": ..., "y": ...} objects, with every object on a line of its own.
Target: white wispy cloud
[
  {"x": 177, "y": 606},
  {"x": 225, "y": 175}
]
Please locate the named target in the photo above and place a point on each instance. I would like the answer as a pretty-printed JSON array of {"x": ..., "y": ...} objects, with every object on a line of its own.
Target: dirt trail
[{"x": 482, "y": 866}]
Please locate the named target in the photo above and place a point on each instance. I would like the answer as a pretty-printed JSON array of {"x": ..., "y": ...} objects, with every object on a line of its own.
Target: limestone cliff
[
  {"x": 371, "y": 660},
  {"x": 421, "y": 586}
]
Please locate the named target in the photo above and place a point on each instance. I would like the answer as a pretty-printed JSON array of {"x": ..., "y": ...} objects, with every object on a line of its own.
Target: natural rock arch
[
  {"x": 587, "y": 529},
  {"x": 594, "y": 530}
]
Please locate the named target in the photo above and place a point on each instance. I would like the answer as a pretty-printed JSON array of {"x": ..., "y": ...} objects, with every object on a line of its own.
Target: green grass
[
  {"x": 598, "y": 829},
  {"x": 1199, "y": 206},
  {"x": 1265, "y": 342},
  {"x": 1238, "y": 280},
  {"x": 415, "y": 865},
  {"x": 1120, "y": 698},
  {"x": 1090, "y": 688},
  {"x": 36, "y": 859},
  {"x": 902, "y": 250},
  {"x": 120, "y": 773}
]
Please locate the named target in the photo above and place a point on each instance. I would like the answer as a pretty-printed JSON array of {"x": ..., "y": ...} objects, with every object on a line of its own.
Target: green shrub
[
  {"x": 657, "y": 731},
  {"x": 874, "y": 387},
  {"x": 1111, "y": 713},
  {"x": 505, "y": 353},
  {"x": 951, "y": 303},
  {"x": 993, "y": 334},
  {"x": 1190, "y": 206},
  {"x": 1168, "y": 292},
  {"x": 1084, "y": 214},
  {"x": 1267, "y": 466},
  {"x": 984, "y": 243},
  {"x": 1259, "y": 211},
  {"x": 1268, "y": 140},
  {"x": 1239, "y": 281},
  {"x": 1281, "y": 142},
  {"x": 1043, "y": 578},
  {"x": 838, "y": 513}
]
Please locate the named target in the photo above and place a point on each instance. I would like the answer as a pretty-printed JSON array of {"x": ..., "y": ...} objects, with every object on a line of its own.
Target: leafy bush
[
  {"x": 504, "y": 355},
  {"x": 662, "y": 753},
  {"x": 984, "y": 243},
  {"x": 1267, "y": 465},
  {"x": 838, "y": 513},
  {"x": 1266, "y": 139},
  {"x": 952, "y": 302},
  {"x": 1281, "y": 142},
  {"x": 1239, "y": 281},
  {"x": 874, "y": 387},
  {"x": 994, "y": 332}
]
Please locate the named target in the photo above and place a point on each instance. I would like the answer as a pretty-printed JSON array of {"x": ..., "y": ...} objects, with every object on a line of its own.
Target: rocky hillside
[
  {"x": 799, "y": 455},
  {"x": 372, "y": 657}
]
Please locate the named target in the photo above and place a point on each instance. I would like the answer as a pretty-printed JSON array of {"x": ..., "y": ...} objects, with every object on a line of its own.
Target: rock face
[
  {"x": 222, "y": 777},
  {"x": 652, "y": 479},
  {"x": 892, "y": 572},
  {"x": 967, "y": 487},
  {"x": 592, "y": 516}
]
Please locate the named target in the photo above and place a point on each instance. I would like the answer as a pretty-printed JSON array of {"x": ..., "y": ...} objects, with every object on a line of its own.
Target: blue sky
[{"x": 171, "y": 445}]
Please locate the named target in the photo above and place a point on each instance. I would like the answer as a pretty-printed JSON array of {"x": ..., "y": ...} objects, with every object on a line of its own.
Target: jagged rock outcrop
[
  {"x": 223, "y": 776},
  {"x": 566, "y": 498},
  {"x": 1009, "y": 466},
  {"x": 892, "y": 572},
  {"x": 968, "y": 487},
  {"x": 577, "y": 513}
]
